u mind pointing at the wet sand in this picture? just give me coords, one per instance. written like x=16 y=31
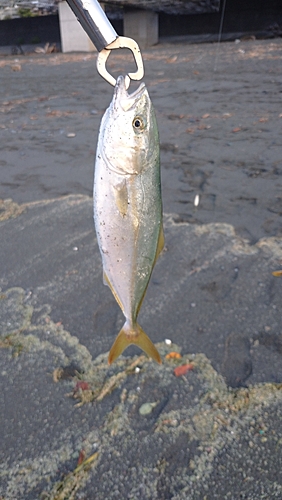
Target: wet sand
x=214 y=432
x=219 y=114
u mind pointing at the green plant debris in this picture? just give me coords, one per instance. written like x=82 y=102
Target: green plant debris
x=25 y=12
x=87 y=395
x=9 y=209
x=68 y=487
x=115 y=380
x=14 y=342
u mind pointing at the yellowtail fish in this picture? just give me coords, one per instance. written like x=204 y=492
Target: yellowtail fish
x=128 y=207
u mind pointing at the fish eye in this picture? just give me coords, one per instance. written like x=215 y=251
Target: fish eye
x=138 y=123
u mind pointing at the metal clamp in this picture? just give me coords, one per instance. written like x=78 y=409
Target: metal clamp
x=94 y=21
x=121 y=42
x=96 y=24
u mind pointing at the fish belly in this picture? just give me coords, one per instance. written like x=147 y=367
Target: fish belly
x=128 y=220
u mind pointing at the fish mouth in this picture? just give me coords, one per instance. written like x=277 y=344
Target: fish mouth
x=121 y=96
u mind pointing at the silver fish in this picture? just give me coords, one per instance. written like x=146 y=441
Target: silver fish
x=128 y=207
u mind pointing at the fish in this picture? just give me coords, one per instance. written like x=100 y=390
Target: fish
x=128 y=207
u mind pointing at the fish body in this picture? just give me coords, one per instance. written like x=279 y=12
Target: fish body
x=128 y=207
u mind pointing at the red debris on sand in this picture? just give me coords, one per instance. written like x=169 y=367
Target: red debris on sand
x=83 y=386
x=183 y=369
x=81 y=457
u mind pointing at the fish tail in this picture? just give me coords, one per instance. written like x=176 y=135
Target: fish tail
x=133 y=335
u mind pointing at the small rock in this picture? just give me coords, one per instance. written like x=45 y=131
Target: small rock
x=147 y=408
x=16 y=67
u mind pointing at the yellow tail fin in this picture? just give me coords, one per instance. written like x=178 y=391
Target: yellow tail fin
x=133 y=335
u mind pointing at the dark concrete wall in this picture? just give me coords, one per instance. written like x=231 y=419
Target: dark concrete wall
x=36 y=30
x=240 y=16
x=28 y=30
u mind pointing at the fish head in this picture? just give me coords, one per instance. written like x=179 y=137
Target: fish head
x=130 y=133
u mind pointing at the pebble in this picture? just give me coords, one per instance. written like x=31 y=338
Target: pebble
x=147 y=408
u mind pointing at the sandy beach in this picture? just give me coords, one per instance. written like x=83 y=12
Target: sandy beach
x=215 y=432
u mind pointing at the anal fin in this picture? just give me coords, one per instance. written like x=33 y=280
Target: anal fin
x=107 y=282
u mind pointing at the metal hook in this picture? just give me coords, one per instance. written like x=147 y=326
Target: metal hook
x=121 y=42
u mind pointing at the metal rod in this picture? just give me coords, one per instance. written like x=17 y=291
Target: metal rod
x=94 y=21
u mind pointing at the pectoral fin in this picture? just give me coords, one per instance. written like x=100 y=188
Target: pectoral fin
x=121 y=197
